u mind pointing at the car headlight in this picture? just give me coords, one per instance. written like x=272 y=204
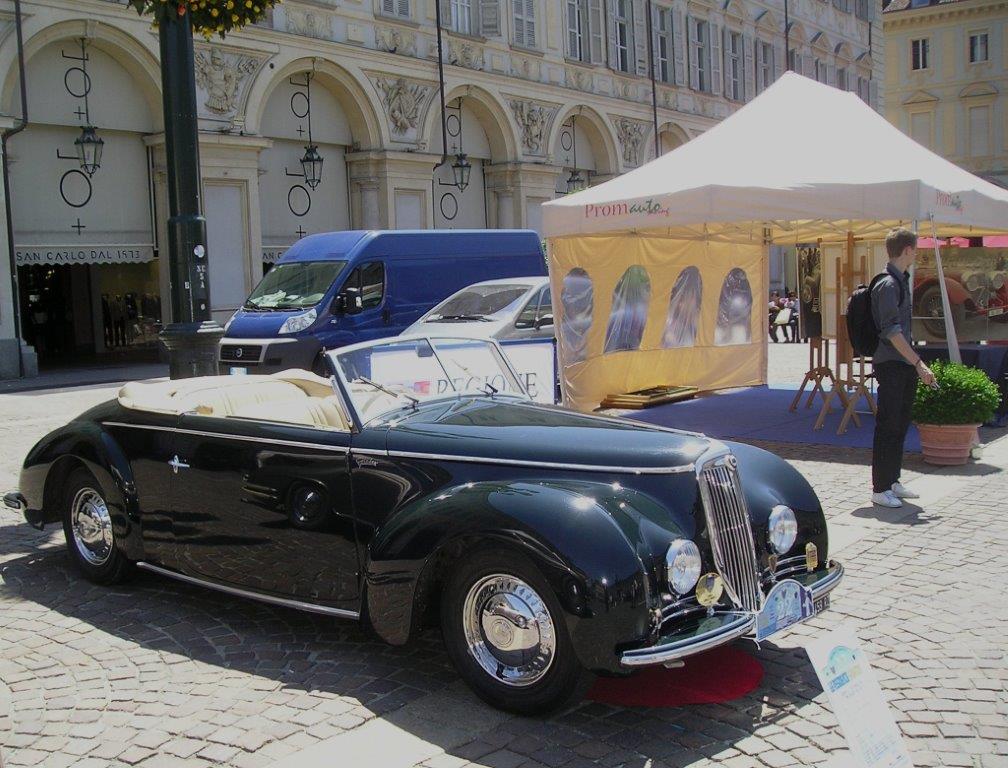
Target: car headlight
x=683 y=564
x=783 y=528
x=299 y=322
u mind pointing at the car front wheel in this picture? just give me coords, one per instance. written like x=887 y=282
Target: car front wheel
x=504 y=631
x=87 y=526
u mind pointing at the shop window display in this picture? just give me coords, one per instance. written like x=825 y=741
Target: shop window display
x=684 y=310
x=734 y=318
x=629 y=311
x=577 y=296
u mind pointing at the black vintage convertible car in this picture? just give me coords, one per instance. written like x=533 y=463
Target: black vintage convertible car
x=421 y=485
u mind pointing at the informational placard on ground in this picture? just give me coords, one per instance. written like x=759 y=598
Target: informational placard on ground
x=856 y=699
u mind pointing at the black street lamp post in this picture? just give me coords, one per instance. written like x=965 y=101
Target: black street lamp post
x=192 y=337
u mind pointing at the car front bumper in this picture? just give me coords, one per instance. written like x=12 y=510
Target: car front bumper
x=267 y=355
x=722 y=628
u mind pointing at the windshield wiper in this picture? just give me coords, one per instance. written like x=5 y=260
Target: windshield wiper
x=439 y=318
x=363 y=380
x=489 y=389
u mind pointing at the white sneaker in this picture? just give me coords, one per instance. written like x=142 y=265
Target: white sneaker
x=900 y=491
x=886 y=499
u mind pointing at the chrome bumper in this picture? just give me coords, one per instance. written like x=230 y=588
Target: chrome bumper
x=14 y=500
x=734 y=625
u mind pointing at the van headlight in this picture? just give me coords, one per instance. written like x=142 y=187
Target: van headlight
x=299 y=322
x=783 y=528
x=683 y=564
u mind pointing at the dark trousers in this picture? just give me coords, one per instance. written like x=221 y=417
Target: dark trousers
x=897 y=383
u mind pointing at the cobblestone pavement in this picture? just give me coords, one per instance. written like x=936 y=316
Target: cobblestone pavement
x=157 y=673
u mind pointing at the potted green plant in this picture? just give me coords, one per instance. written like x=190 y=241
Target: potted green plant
x=947 y=417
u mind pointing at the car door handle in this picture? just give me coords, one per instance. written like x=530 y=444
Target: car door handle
x=176 y=465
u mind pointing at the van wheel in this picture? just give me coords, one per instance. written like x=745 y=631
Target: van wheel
x=87 y=526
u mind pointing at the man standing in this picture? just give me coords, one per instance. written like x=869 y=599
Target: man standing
x=897 y=368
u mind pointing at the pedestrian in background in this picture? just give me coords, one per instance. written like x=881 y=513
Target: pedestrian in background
x=897 y=368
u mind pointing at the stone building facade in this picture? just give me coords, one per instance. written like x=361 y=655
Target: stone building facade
x=947 y=79
x=541 y=96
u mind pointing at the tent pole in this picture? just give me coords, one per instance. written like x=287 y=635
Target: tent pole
x=950 y=331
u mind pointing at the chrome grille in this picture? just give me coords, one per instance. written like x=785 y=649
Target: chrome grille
x=730 y=532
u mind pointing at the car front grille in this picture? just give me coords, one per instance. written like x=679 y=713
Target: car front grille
x=730 y=532
x=248 y=353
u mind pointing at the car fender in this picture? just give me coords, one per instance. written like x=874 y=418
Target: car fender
x=571 y=530
x=83 y=444
x=957 y=292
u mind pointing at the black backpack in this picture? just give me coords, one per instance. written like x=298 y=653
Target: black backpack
x=861 y=328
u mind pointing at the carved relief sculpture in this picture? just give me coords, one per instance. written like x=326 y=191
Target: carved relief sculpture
x=403 y=101
x=309 y=24
x=534 y=120
x=631 y=137
x=465 y=55
x=219 y=76
x=392 y=40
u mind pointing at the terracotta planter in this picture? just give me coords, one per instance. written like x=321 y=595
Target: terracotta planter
x=948 y=443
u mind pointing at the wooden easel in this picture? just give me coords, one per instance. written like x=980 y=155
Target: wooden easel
x=819 y=369
x=851 y=376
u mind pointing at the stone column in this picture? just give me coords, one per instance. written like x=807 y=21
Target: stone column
x=518 y=190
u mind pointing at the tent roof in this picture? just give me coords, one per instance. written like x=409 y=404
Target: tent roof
x=802 y=158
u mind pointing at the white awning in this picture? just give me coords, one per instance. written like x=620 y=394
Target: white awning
x=25 y=255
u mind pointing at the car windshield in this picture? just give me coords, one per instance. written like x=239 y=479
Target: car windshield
x=476 y=302
x=402 y=373
x=295 y=285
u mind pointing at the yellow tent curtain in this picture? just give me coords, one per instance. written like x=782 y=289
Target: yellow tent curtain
x=638 y=310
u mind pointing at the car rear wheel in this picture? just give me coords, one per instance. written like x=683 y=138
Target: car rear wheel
x=506 y=635
x=87 y=526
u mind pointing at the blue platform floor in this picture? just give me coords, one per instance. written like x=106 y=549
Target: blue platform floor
x=761 y=413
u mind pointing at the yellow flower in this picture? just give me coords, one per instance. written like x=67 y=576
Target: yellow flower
x=214 y=12
x=234 y=17
x=230 y=4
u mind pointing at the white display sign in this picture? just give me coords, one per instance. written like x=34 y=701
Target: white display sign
x=532 y=361
x=82 y=254
x=856 y=699
x=535 y=364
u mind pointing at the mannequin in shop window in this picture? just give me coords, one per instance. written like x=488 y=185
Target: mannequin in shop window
x=119 y=320
x=132 y=329
x=107 y=321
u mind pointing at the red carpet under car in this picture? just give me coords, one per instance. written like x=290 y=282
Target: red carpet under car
x=722 y=674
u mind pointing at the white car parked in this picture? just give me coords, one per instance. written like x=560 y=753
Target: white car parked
x=510 y=309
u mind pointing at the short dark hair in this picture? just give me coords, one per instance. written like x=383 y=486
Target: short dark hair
x=897 y=240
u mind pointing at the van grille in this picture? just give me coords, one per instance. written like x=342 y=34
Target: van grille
x=730 y=532
x=248 y=353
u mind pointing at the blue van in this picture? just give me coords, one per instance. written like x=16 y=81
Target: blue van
x=339 y=288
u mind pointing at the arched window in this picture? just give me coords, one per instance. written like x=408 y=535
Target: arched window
x=629 y=311
x=577 y=297
x=734 y=318
x=684 y=310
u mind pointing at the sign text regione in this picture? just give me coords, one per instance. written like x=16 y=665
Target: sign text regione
x=25 y=255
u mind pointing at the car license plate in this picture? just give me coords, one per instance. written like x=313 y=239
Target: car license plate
x=788 y=603
x=820 y=605
x=237 y=370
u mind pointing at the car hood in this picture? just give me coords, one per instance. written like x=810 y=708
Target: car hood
x=467 y=329
x=515 y=431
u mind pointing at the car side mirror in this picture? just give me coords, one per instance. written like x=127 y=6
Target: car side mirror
x=544 y=321
x=519 y=323
x=339 y=304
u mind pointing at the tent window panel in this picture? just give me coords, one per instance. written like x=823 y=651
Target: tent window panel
x=684 y=310
x=623 y=34
x=577 y=300
x=977 y=47
x=979 y=124
x=630 y=303
x=663 y=45
x=920 y=128
x=734 y=317
x=919 y=54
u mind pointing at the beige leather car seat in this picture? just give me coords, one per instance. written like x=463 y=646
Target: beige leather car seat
x=313 y=411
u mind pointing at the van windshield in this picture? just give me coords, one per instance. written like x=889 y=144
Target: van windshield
x=476 y=302
x=295 y=285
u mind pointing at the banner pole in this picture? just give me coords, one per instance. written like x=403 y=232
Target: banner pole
x=950 y=331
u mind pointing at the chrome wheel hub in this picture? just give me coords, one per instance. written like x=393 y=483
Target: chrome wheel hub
x=508 y=630
x=92 y=526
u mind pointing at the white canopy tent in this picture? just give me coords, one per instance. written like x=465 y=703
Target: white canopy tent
x=801 y=161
